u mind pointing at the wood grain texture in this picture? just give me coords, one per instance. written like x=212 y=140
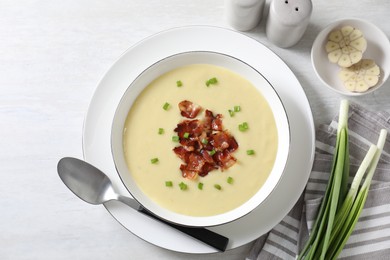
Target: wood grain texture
x=52 y=55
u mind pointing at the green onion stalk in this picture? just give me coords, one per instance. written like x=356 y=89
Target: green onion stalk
x=357 y=197
x=340 y=207
x=322 y=228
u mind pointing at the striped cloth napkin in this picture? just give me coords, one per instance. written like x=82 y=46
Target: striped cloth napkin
x=371 y=236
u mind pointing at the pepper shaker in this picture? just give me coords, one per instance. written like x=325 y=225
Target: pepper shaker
x=287 y=21
x=244 y=15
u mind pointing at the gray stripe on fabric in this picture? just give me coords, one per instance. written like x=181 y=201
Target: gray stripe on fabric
x=377 y=120
x=321 y=150
x=375 y=216
x=378 y=196
x=320 y=181
x=264 y=255
x=385 y=115
x=367 y=242
x=284 y=236
x=315 y=192
x=376 y=255
x=280 y=247
x=287 y=225
x=369 y=124
x=322 y=165
x=375 y=210
x=370 y=229
x=382 y=173
x=319 y=175
x=357 y=149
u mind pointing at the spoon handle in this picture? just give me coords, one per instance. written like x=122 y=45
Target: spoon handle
x=207 y=236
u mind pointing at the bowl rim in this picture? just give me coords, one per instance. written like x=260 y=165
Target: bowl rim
x=317 y=48
x=202 y=223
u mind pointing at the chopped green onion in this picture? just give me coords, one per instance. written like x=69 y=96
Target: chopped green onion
x=212 y=152
x=179 y=83
x=243 y=127
x=166 y=106
x=230 y=180
x=211 y=81
x=217 y=186
x=250 y=152
x=183 y=186
x=186 y=135
x=160 y=131
x=204 y=141
x=237 y=108
x=168 y=184
x=200 y=186
x=154 y=160
x=231 y=113
x=175 y=138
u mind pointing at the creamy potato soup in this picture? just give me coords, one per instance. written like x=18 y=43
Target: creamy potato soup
x=151 y=136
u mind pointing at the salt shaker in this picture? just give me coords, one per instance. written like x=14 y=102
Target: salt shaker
x=287 y=21
x=244 y=15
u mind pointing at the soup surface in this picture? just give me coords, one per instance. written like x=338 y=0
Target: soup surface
x=148 y=142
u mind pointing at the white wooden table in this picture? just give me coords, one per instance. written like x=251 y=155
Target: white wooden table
x=52 y=55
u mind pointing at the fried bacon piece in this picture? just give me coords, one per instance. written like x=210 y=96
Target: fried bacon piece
x=194 y=166
x=211 y=122
x=223 y=140
x=194 y=130
x=204 y=144
x=224 y=159
x=181 y=152
x=186 y=173
x=206 y=156
x=192 y=127
x=207 y=167
x=189 y=109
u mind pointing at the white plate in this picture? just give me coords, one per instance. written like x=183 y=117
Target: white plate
x=378 y=49
x=97 y=131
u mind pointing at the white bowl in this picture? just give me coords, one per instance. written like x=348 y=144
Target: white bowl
x=378 y=49
x=168 y=64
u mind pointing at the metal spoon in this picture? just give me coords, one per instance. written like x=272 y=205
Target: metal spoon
x=93 y=186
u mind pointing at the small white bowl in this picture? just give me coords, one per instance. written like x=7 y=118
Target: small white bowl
x=378 y=49
x=168 y=64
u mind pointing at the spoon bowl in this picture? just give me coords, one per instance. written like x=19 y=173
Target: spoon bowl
x=92 y=186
